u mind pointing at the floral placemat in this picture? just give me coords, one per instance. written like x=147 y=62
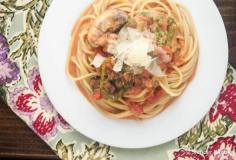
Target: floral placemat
x=213 y=138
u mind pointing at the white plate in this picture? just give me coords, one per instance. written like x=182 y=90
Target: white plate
x=183 y=114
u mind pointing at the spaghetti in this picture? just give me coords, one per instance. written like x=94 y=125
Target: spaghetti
x=133 y=89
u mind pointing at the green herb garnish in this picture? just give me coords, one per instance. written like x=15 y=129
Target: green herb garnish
x=165 y=37
x=161 y=36
x=102 y=77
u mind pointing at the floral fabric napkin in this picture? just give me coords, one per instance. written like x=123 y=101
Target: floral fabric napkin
x=213 y=138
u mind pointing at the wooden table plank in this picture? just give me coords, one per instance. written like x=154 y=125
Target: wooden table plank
x=29 y=146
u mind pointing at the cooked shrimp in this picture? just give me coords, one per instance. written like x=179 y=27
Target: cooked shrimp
x=163 y=56
x=108 y=22
x=107 y=38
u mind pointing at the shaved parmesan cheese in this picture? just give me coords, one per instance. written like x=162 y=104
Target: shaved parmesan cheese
x=134 y=33
x=132 y=48
x=155 y=69
x=137 y=53
x=123 y=34
x=98 y=61
x=118 y=65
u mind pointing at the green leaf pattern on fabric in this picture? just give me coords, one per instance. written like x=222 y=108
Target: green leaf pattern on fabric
x=229 y=76
x=65 y=152
x=94 y=151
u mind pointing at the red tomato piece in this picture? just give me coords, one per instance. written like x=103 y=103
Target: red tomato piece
x=136 y=109
x=97 y=95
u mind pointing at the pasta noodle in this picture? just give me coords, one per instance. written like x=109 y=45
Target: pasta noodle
x=183 y=46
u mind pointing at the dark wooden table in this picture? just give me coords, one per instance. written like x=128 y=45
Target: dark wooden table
x=29 y=146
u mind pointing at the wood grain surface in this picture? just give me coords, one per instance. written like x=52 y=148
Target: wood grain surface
x=29 y=146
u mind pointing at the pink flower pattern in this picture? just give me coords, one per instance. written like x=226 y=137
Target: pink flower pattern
x=224 y=148
x=187 y=155
x=33 y=102
x=226 y=104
